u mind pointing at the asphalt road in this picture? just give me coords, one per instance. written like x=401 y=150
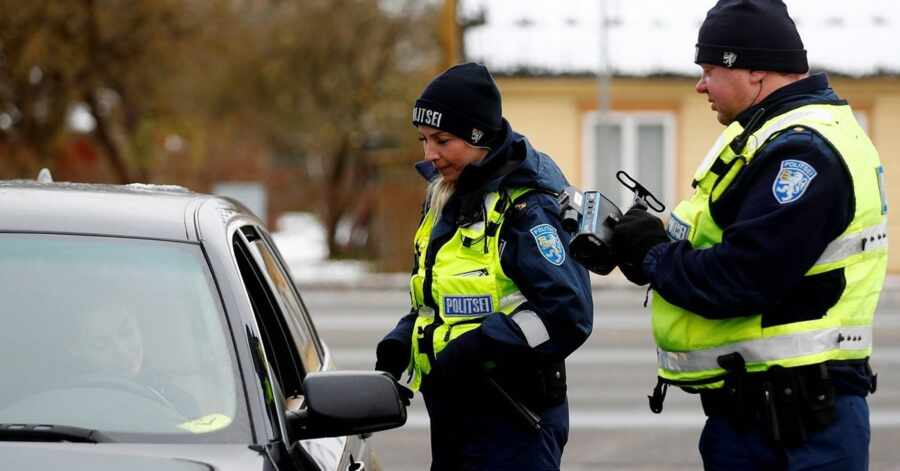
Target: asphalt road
x=609 y=379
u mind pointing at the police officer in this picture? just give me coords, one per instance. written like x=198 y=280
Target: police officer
x=763 y=299
x=497 y=305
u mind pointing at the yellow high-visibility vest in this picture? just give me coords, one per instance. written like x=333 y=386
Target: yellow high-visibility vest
x=466 y=280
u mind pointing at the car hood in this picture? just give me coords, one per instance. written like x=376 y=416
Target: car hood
x=110 y=456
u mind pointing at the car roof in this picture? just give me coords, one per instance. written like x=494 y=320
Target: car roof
x=134 y=210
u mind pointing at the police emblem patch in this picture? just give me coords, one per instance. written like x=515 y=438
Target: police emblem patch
x=792 y=180
x=549 y=244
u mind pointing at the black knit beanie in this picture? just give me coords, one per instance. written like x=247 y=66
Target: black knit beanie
x=464 y=101
x=751 y=34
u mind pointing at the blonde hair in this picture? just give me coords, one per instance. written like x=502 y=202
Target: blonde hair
x=439 y=191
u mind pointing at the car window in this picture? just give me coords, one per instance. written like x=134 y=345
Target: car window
x=280 y=351
x=272 y=298
x=122 y=335
x=297 y=321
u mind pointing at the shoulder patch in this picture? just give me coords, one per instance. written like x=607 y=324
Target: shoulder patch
x=549 y=243
x=792 y=180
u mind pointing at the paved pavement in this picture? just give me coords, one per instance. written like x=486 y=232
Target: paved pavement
x=609 y=378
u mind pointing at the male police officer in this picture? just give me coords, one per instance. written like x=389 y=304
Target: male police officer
x=763 y=303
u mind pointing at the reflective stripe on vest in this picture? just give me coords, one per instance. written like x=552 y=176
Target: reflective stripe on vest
x=798 y=116
x=869 y=239
x=771 y=348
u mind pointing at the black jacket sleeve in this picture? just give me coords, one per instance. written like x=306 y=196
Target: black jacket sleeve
x=403 y=330
x=558 y=291
x=767 y=245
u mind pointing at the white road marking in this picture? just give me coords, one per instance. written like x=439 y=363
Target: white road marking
x=616 y=420
x=597 y=356
x=360 y=318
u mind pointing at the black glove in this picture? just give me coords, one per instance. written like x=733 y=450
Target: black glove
x=633 y=236
x=464 y=356
x=392 y=357
x=406 y=394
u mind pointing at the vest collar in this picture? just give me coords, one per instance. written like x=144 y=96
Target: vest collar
x=808 y=91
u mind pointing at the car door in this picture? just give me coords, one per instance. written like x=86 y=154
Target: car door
x=295 y=346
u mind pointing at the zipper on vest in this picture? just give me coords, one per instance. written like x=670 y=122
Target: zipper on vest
x=478 y=272
x=427 y=340
x=418 y=253
x=430 y=257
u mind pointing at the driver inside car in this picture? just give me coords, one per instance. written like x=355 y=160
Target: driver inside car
x=108 y=347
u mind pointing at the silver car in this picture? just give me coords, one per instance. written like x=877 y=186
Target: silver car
x=150 y=327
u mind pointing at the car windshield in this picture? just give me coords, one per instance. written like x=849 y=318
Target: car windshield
x=125 y=336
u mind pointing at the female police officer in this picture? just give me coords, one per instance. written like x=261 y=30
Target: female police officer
x=496 y=303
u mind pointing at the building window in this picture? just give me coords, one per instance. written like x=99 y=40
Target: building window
x=640 y=143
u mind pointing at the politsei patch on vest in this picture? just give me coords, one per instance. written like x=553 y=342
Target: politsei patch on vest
x=677 y=229
x=468 y=305
x=549 y=244
x=792 y=180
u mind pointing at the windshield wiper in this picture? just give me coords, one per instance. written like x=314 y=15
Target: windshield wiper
x=50 y=433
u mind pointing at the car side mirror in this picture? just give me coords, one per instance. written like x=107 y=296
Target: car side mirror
x=347 y=403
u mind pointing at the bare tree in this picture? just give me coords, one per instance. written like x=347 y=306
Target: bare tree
x=336 y=78
x=317 y=82
x=119 y=60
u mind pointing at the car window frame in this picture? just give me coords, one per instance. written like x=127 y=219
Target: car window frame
x=303 y=316
x=281 y=400
x=281 y=352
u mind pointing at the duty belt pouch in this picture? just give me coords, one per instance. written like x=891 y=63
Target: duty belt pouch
x=783 y=407
x=818 y=391
x=802 y=402
x=734 y=388
x=553 y=383
x=538 y=388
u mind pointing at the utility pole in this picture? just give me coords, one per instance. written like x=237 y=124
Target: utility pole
x=449 y=33
x=603 y=73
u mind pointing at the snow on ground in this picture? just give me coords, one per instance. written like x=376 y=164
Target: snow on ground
x=300 y=238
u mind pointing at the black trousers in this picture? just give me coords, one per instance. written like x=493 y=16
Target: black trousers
x=473 y=429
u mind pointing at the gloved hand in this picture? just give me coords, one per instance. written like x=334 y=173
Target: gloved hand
x=406 y=394
x=464 y=356
x=392 y=356
x=633 y=236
